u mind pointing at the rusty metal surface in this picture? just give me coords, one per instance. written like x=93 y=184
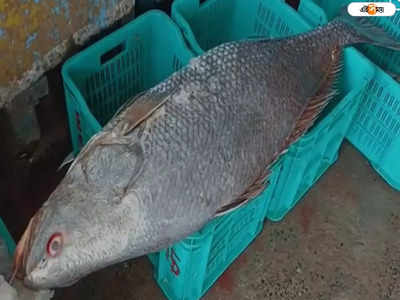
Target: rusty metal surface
x=35 y=35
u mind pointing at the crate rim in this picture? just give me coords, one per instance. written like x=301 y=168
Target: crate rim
x=151 y=13
x=190 y=36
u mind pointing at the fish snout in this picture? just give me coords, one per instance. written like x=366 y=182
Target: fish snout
x=22 y=251
x=29 y=282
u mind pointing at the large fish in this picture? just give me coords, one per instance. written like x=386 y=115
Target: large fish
x=195 y=146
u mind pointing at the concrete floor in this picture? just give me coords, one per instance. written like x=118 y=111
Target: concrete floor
x=341 y=242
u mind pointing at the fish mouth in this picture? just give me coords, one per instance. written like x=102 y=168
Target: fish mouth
x=23 y=250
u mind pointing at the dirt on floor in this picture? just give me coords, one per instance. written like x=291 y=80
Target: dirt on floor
x=341 y=242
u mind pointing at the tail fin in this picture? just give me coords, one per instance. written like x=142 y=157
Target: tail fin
x=365 y=30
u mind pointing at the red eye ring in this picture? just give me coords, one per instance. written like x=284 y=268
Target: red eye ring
x=55 y=244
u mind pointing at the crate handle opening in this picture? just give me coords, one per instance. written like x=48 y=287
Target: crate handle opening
x=293 y=3
x=112 y=53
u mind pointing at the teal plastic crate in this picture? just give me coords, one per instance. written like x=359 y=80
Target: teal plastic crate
x=214 y=22
x=5 y=236
x=312 y=12
x=154 y=259
x=308 y=159
x=98 y=80
x=328 y=9
x=189 y=268
x=375 y=130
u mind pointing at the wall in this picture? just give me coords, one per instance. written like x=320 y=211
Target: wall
x=36 y=35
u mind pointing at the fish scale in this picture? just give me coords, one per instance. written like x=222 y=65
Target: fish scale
x=252 y=162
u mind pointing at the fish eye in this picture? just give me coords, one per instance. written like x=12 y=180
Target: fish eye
x=54 y=245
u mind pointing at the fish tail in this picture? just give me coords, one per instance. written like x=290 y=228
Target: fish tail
x=360 y=30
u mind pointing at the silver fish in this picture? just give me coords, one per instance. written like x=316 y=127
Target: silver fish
x=195 y=146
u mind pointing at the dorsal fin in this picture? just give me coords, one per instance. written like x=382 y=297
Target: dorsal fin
x=315 y=106
x=117 y=115
x=318 y=102
x=136 y=111
x=253 y=191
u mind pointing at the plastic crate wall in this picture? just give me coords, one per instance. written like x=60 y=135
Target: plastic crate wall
x=130 y=60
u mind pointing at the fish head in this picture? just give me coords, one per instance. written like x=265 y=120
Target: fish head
x=83 y=225
x=46 y=251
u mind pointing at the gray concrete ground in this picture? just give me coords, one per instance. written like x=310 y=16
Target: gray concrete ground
x=341 y=242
